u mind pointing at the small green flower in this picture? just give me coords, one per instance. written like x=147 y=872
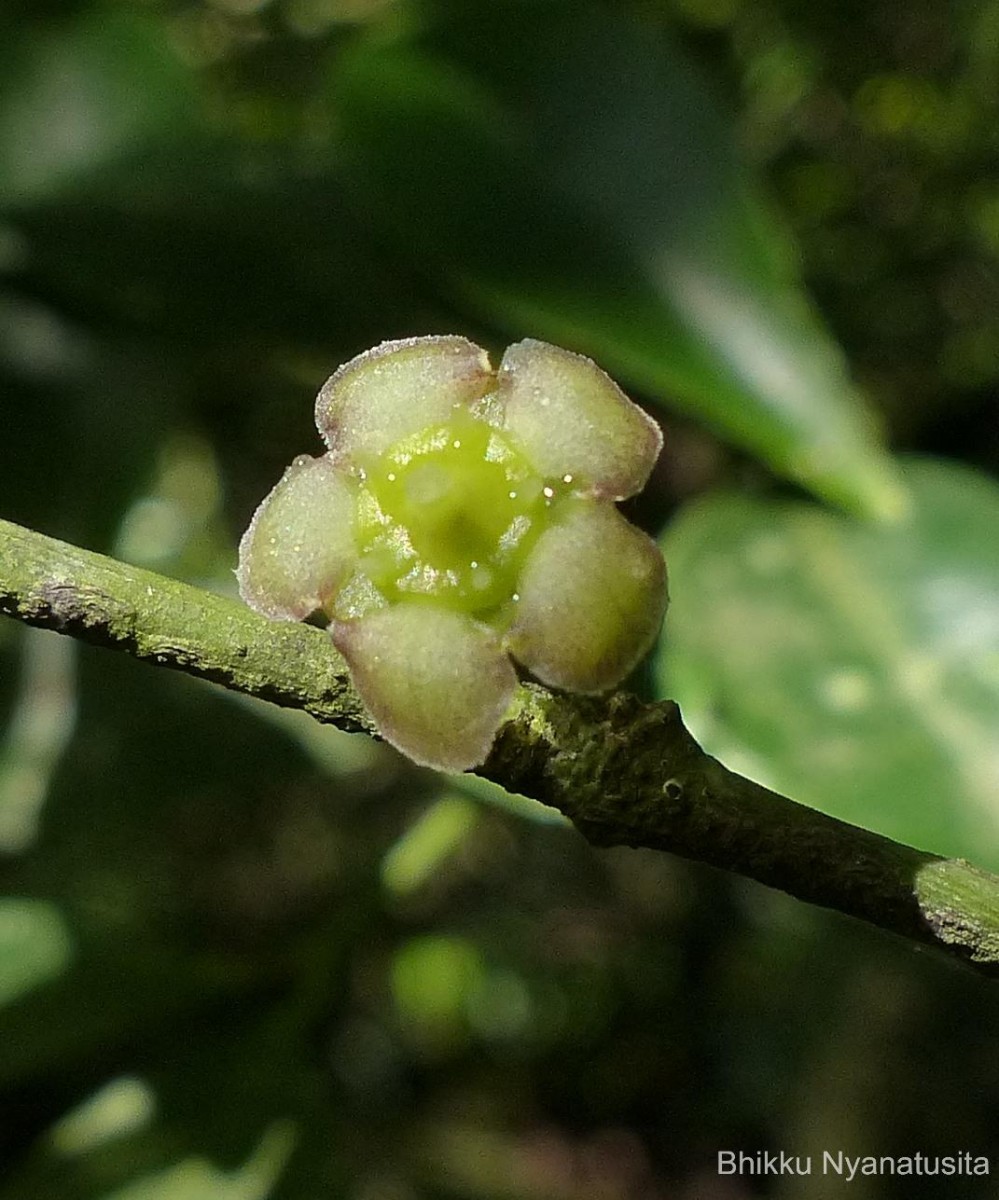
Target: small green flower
x=462 y=516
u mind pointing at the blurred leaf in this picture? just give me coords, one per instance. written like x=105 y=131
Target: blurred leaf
x=35 y=946
x=152 y=854
x=522 y=807
x=854 y=668
x=187 y=1124
x=33 y=742
x=567 y=172
x=198 y=1179
x=78 y=94
x=92 y=405
x=120 y=1107
x=427 y=844
x=433 y=977
x=189 y=240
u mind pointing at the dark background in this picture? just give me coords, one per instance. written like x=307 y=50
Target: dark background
x=245 y=956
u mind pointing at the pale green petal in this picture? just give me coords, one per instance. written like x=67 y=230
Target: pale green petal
x=574 y=423
x=398 y=389
x=591 y=599
x=436 y=682
x=299 y=546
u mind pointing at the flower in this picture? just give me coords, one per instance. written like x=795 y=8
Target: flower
x=461 y=517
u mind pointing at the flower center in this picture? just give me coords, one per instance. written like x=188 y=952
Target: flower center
x=450 y=515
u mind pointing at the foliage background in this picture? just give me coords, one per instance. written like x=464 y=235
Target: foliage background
x=244 y=956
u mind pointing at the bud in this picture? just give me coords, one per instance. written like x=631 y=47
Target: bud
x=459 y=518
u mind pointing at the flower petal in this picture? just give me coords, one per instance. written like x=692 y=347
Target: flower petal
x=591 y=599
x=436 y=682
x=571 y=419
x=398 y=389
x=299 y=545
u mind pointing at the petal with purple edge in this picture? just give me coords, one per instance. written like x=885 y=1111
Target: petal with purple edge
x=398 y=389
x=571 y=419
x=592 y=596
x=299 y=545
x=436 y=682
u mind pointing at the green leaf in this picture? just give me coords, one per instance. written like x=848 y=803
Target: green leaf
x=168 y=246
x=569 y=174
x=199 y=1179
x=35 y=946
x=429 y=842
x=81 y=94
x=144 y=952
x=855 y=668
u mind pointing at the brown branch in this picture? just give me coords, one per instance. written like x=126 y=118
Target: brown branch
x=626 y=773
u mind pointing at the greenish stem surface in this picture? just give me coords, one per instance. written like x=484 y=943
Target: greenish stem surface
x=626 y=773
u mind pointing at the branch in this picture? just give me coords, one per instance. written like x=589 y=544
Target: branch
x=626 y=773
